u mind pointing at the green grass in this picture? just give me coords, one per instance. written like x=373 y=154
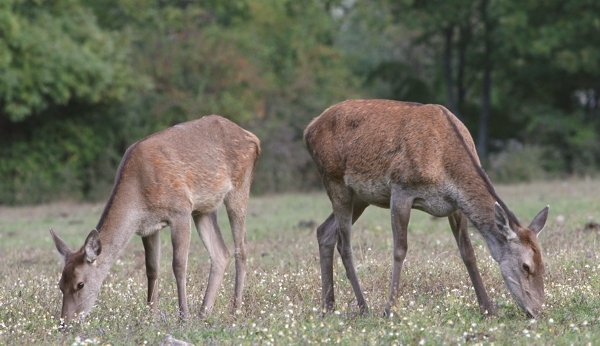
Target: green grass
x=437 y=304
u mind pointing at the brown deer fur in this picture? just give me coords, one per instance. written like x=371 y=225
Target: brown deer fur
x=187 y=170
x=405 y=156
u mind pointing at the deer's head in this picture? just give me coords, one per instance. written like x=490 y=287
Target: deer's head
x=81 y=278
x=520 y=260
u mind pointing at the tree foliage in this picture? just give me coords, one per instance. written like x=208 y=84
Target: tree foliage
x=83 y=79
x=53 y=53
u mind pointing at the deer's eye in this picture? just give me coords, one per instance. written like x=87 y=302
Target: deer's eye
x=80 y=285
x=526 y=268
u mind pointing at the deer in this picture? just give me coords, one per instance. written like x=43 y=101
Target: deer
x=404 y=156
x=182 y=173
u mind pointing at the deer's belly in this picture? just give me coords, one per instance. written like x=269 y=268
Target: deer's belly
x=151 y=226
x=207 y=200
x=374 y=192
x=434 y=200
x=434 y=206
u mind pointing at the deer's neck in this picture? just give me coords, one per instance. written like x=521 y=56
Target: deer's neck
x=116 y=227
x=478 y=205
x=492 y=237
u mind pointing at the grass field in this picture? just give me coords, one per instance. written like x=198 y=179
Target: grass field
x=437 y=304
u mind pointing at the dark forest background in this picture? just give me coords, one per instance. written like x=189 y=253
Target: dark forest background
x=81 y=80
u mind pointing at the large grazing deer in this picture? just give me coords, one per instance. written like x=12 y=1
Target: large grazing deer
x=405 y=156
x=187 y=170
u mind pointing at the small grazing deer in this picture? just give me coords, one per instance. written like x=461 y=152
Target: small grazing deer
x=405 y=156
x=187 y=170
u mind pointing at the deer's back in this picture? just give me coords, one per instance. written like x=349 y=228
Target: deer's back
x=193 y=163
x=372 y=144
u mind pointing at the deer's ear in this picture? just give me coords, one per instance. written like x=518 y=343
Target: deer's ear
x=502 y=222
x=92 y=246
x=539 y=221
x=63 y=249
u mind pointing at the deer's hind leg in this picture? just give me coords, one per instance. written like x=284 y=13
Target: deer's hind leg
x=344 y=247
x=180 y=238
x=211 y=236
x=337 y=229
x=327 y=238
x=236 y=204
x=458 y=223
x=152 y=254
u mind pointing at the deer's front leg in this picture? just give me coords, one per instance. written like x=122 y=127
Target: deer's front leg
x=458 y=223
x=400 y=205
x=152 y=254
x=180 y=237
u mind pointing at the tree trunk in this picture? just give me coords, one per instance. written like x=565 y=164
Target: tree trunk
x=487 y=85
x=485 y=114
x=465 y=37
x=450 y=100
